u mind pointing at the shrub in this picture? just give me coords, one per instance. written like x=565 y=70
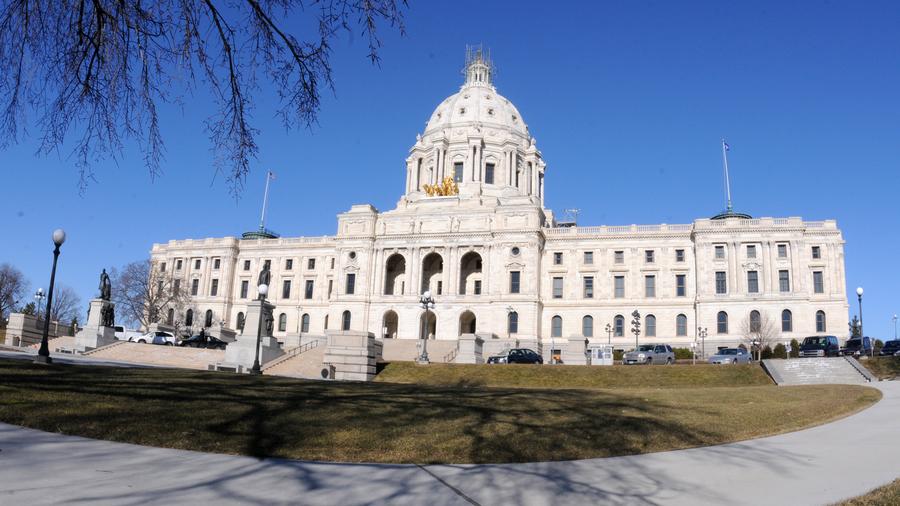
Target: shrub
x=878 y=345
x=780 y=351
x=683 y=353
x=795 y=348
x=766 y=352
x=618 y=354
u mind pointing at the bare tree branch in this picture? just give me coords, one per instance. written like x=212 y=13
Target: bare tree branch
x=143 y=294
x=12 y=288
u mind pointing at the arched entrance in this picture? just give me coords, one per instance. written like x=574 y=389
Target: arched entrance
x=430 y=326
x=389 y=325
x=467 y=323
x=394 y=274
x=470 y=274
x=432 y=271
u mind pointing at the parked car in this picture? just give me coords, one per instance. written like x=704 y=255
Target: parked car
x=890 y=348
x=517 y=356
x=123 y=334
x=650 y=354
x=820 y=346
x=731 y=356
x=856 y=346
x=203 y=341
x=158 y=337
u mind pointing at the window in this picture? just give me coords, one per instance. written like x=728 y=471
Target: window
x=680 y=285
x=587 y=326
x=246 y=265
x=282 y=322
x=330 y=287
x=326 y=323
x=477 y=287
x=458 y=172
x=816 y=253
x=159 y=287
x=721 y=283
x=286 y=289
x=648 y=256
x=784 y=281
x=304 y=323
x=176 y=288
x=332 y=263
x=162 y=267
x=514 y=281
x=650 y=326
x=588 y=257
x=178 y=264
x=755 y=321
x=650 y=286
x=351 y=284
x=782 y=251
x=311 y=263
x=619 y=257
x=289 y=264
x=195 y=286
x=589 y=287
x=619 y=286
x=209 y=318
x=818 y=282
x=679 y=255
x=345 y=320
x=720 y=251
x=619 y=326
x=214 y=288
x=189 y=318
x=722 y=322
x=245 y=287
x=308 y=291
x=489 y=173
x=512 y=322
x=557 y=288
x=820 y=321
x=787 y=321
x=440 y=287
x=681 y=325
x=751 y=251
x=557 y=258
x=556 y=326
x=240 y=322
x=197 y=264
x=752 y=282
x=267 y=265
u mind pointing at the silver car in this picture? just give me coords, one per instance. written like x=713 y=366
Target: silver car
x=650 y=354
x=731 y=356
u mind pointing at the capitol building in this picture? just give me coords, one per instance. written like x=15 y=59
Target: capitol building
x=471 y=227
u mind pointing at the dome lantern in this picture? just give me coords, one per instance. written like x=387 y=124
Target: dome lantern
x=479 y=68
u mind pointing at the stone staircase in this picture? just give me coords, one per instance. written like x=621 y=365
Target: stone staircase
x=406 y=350
x=301 y=364
x=102 y=348
x=171 y=356
x=817 y=371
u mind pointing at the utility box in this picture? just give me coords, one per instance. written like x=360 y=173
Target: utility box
x=601 y=354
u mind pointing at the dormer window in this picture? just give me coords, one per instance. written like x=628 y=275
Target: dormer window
x=462 y=110
x=491 y=111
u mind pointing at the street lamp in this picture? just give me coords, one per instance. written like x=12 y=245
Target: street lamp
x=427 y=303
x=895 y=327
x=701 y=333
x=43 y=356
x=609 y=330
x=39 y=297
x=263 y=289
x=862 y=336
x=636 y=327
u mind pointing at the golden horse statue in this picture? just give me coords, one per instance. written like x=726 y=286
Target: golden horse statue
x=445 y=189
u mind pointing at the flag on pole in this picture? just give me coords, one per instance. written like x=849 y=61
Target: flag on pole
x=727 y=147
x=271 y=175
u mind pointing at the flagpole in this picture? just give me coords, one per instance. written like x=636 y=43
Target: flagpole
x=727 y=182
x=262 y=219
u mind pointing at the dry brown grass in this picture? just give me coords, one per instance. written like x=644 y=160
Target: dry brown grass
x=379 y=422
x=885 y=368
x=888 y=495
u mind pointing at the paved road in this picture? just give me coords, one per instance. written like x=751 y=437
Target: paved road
x=67 y=358
x=815 y=466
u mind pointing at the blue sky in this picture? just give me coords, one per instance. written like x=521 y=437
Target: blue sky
x=627 y=100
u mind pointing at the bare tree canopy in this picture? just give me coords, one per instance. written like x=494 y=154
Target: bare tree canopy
x=96 y=70
x=759 y=330
x=12 y=288
x=143 y=294
x=66 y=305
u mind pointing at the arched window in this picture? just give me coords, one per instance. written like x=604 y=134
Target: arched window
x=787 y=321
x=282 y=322
x=189 y=318
x=326 y=322
x=240 y=322
x=619 y=325
x=722 y=322
x=304 y=323
x=208 y=319
x=650 y=326
x=170 y=318
x=556 y=326
x=345 y=321
x=820 y=321
x=755 y=321
x=587 y=326
x=512 y=322
x=681 y=325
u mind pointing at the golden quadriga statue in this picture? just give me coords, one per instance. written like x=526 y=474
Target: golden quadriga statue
x=446 y=188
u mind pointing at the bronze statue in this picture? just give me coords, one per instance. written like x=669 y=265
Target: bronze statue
x=107 y=316
x=264 y=276
x=105 y=286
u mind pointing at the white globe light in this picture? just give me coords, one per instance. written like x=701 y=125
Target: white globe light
x=263 y=289
x=59 y=236
x=427 y=294
x=859 y=291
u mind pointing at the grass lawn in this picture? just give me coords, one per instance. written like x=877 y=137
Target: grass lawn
x=266 y=416
x=573 y=376
x=886 y=368
x=888 y=495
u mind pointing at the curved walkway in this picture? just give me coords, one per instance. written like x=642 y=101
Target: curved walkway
x=815 y=466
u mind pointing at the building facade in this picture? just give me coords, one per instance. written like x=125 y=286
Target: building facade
x=498 y=264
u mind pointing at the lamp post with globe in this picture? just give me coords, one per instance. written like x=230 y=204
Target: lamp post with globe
x=263 y=289
x=39 y=296
x=862 y=336
x=43 y=356
x=427 y=303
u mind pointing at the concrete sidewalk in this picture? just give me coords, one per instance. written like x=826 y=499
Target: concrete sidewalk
x=816 y=466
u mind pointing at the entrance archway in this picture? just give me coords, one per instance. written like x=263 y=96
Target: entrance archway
x=470 y=274
x=467 y=323
x=394 y=274
x=432 y=271
x=389 y=325
x=430 y=326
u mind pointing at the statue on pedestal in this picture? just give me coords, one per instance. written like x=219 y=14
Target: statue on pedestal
x=105 y=286
x=264 y=276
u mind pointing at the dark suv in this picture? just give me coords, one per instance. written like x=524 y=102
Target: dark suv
x=890 y=348
x=517 y=356
x=820 y=346
x=856 y=346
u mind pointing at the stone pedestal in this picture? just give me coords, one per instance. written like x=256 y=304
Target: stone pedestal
x=224 y=333
x=470 y=349
x=93 y=334
x=243 y=350
x=572 y=351
x=353 y=354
